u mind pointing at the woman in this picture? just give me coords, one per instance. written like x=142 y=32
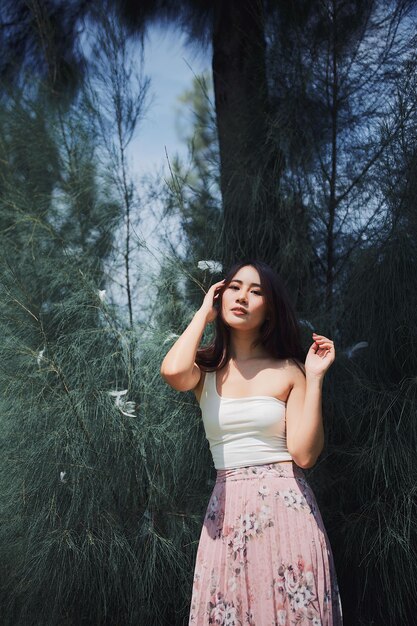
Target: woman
x=264 y=556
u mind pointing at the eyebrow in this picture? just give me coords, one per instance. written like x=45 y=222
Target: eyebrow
x=236 y=280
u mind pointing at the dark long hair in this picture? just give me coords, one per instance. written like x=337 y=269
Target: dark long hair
x=280 y=334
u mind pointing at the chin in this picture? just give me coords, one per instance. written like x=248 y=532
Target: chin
x=235 y=323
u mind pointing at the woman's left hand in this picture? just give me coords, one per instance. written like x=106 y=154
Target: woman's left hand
x=320 y=355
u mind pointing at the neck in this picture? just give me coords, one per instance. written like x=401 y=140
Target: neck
x=241 y=346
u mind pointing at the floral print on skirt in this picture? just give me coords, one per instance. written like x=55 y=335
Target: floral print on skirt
x=264 y=557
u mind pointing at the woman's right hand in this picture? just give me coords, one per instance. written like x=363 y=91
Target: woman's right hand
x=209 y=301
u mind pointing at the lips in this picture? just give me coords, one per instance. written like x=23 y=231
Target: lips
x=238 y=309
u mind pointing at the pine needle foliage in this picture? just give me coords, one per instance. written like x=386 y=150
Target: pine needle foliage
x=370 y=501
x=100 y=510
x=365 y=479
x=101 y=463
x=105 y=471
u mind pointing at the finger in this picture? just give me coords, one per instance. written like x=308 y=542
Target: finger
x=321 y=350
x=326 y=351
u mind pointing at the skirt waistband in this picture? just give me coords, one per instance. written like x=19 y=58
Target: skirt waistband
x=277 y=470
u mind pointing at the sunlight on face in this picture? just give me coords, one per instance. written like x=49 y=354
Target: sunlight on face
x=244 y=291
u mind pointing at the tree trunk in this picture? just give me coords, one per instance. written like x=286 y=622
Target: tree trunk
x=250 y=164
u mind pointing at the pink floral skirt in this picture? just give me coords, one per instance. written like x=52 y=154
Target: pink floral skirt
x=264 y=557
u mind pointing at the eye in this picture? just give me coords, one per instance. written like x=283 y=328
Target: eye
x=258 y=293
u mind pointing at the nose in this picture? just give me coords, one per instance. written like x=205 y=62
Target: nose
x=241 y=297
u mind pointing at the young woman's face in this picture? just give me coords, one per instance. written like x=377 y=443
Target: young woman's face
x=244 y=292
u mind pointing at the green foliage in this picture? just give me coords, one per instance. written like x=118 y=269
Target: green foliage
x=342 y=85
x=193 y=193
x=99 y=507
x=105 y=472
x=370 y=499
x=103 y=488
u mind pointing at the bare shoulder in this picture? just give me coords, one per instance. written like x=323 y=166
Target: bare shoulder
x=295 y=370
x=284 y=374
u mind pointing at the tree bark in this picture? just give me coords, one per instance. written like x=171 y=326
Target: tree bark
x=250 y=163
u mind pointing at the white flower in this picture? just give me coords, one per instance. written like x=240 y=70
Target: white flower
x=293 y=495
x=40 y=355
x=288 y=497
x=248 y=524
x=305 y=593
x=245 y=521
x=264 y=491
x=215 y=267
x=254 y=525
x=102 y=294
x=218 y=614
x=230 y=617
x=118 y=395
x=62 y=477
x=291 y=581
x=300 y=500
x=349 y=351
x=129 y=408
x=126 y=407
x=298 y=600
x=265 y=512
x=238 y=541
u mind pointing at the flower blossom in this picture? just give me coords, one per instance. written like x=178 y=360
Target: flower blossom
x=214 y=267
x=126 y=407
x=40 y=355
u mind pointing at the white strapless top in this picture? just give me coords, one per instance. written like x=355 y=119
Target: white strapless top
x=243 y=431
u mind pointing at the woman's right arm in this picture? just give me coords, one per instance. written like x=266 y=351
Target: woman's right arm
x=179 y=368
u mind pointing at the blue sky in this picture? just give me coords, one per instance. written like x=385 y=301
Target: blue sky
x=171 y=66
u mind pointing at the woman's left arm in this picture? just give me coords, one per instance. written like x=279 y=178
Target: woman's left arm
x=305 y=433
